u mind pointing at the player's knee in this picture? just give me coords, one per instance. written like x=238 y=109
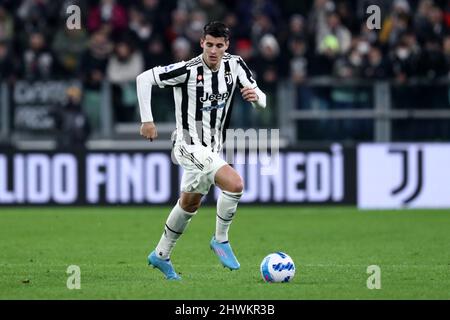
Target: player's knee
x=189 y=206
x=237 y=186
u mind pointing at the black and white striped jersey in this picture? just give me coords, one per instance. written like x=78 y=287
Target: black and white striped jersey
x=203 y=98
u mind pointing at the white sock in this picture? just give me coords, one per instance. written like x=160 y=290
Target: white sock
x=226 y=208
x=175 y=225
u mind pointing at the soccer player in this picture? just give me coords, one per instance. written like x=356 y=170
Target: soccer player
x=203 y=89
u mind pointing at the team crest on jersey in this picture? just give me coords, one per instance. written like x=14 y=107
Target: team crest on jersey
x=228 y=77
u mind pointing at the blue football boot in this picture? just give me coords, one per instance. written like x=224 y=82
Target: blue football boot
x=165 y=266
x=225 y=254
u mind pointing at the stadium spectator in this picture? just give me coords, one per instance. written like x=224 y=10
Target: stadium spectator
x=6 y=24
x=348 y=18
x=297 y=27
x=236 y=27
x=404 y=60
x=71 y=123
x=262 y=25
x=181 y=49
x=377 y=66
x=447 y=15
x=437 y=26
x=141 y=28
x=178 y=25
x=421 y=19
x=213 y=9
x=198 y=19
x=298 y=64
x=125 y=63
x=396 y=24
x=155 y=13
x=122 y=69
x=155 y=53
x=8 y=67
x=317 y=19
x=34 y=15
x=68 y=45
x=268 y=69
x=38 y=62
x=109 y=16
x=95 y=59
x=447 y=54
x=431 y=63
x=336 y=29
x=92 y=72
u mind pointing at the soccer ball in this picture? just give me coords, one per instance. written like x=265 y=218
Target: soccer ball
x=277 y=267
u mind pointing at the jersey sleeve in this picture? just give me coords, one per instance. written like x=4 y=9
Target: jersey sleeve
x=246 y=79
x=170 y=75
x=245 y=75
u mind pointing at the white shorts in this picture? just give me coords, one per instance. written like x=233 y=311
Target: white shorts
x=200 y=166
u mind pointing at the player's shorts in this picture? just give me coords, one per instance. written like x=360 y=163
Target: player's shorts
x=200 y=166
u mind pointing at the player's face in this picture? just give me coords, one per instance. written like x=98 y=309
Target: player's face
x=213 y=50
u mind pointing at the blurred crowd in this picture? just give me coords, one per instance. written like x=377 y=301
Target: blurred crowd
x=287 y=39
x=120 y=39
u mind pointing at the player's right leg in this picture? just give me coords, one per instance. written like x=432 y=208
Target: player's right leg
x=232 y=187
x=176 y=223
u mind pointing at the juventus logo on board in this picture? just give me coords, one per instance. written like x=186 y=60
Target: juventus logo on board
x=412 y=173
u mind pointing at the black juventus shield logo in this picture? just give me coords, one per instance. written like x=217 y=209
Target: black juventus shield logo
x=228 y=77
x=407 y=160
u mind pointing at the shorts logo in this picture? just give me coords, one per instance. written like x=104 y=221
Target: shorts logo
x=208 y=161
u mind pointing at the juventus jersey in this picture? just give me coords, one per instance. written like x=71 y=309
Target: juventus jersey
x=203 y=98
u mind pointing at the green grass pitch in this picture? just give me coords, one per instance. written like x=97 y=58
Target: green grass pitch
x=331 y=247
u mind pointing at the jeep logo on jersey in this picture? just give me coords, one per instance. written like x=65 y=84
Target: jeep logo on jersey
x=214 y=97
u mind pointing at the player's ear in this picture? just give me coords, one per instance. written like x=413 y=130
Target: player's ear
x=202 y=42
x=227 y=44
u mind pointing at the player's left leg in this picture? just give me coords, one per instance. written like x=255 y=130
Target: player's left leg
x=176 y=223
x=232 y=186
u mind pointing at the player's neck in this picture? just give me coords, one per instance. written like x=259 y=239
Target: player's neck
x=213 y=68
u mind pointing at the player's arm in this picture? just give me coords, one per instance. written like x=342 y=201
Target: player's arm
x=249 y=90
x=255 y=96
x=144 y=83
x=161 y=76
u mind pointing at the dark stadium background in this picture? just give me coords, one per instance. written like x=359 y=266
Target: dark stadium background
x=363 y=118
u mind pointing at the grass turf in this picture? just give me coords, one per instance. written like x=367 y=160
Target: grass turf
x=331 y=247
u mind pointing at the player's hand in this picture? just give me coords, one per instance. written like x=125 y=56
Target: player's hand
x=148 y=130
x=249 y=94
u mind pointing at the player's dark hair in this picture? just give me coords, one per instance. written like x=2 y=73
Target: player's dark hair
x=216 y=29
